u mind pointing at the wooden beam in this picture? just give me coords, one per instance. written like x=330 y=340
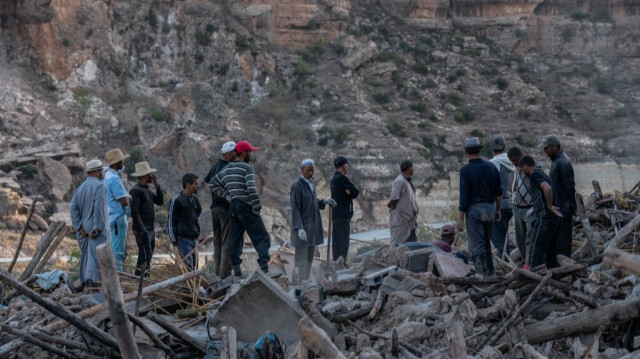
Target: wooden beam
x=618 y=258
x=317 y=340
x=113 y=291
x=177 y=332
x=30 y=339
x=154 y=338
x=23 y=234
x=624 y=232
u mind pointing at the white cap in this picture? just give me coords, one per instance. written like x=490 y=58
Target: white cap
x=93 y=165
x=228 y=147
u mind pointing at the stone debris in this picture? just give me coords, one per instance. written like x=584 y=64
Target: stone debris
x=406 y=302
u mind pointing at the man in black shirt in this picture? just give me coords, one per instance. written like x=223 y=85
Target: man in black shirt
x=220 y=215
x=143 y=213
x=343 y=192
x=548 y=216
x=184 y=212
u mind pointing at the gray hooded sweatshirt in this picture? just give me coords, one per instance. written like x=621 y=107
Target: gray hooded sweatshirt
x=506 y=169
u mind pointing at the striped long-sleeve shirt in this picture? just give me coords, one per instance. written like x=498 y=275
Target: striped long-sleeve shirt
x=237 y=182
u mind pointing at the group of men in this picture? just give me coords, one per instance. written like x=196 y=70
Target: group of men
x=510 y=185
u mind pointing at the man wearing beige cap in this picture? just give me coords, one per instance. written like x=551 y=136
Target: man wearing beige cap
x=143 y=213
x=220 y=215
x=118 y=200
x=90 y=222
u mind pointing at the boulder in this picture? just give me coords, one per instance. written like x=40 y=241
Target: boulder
x=360 y=55
x=9 y=202
x=55 y=177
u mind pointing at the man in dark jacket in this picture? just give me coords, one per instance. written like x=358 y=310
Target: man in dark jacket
x=564 y=189
x=184 y=211
x=480 y=201
x=343 y=192
x=306 y=224
x=548 y=217
x=143 y=213
x=220 y=215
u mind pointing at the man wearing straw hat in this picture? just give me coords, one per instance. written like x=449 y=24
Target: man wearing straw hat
x=118 y=200
x=90 y=222
x=143 y=213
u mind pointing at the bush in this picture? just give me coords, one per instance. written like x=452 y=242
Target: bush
x=382 y=97
x=438 y=166
x=136 y=154
x=427 y=142
x=242 y=42
x=202 y=38
x=604 y=85
x=621 y=112
x=396 y=129
x=83 y=97
x=152 y=19
x=502 y=84
x=567 y=34
x=341 y=135
x=433 y=117
x=442 y=138
x=562 y=113
x=430 y=84
x=28 y=170
x=454 y=99
x=418 y=107
x=156 y=113
x=123 y=96
x=532 y=100
x=421 y=68
x=301 y=68
x=464 y=115
x=66 y=42
x=211 y=28
x=477 y=133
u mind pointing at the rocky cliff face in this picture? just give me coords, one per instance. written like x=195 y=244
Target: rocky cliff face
x=380 y=82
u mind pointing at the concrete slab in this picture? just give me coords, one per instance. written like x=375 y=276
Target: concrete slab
x=450 y=266
x=258 y=306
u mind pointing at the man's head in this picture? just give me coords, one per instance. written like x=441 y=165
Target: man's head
x=229 y=151
x=527 y=165
x=144 y=172
x=94 y=169
x=243 y=151
x=341 y=164
x=448 y=233
x=189 y=184
x=472 y=146
x=115 y=159
x=307 y=168
x=497 y=143
x=515 y=154
x=406 y=167
x=550 y=144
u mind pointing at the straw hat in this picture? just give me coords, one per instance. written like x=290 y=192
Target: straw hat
x=143 y=169
x=93 y=165
x=114 y=156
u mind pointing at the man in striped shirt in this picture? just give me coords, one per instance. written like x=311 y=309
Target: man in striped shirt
x=236 y=183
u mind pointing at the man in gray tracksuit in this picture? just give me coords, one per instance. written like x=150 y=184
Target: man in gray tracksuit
x=506 y=168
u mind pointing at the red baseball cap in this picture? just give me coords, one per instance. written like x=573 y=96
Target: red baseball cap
x=244 y=146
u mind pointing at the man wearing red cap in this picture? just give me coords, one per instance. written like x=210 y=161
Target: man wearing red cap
x=236 y=183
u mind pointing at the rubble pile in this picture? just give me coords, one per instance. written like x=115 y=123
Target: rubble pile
x=412 y=301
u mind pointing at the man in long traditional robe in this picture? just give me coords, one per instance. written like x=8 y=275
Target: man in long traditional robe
x=403 y=207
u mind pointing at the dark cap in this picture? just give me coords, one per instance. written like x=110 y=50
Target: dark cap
x=549 y=140
x=339 y=161
x=472 y=142
x=448 y=229
x=497 y=142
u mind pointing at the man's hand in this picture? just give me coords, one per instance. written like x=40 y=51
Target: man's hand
x=82 y=232
x=330 y=201
x=460 y=225
x=255 y=210
x=555 y=210
x=498 y=215
x=154 y=180
x=347 y=192
x=94 y=233
x=302 y=235
x=124 y=201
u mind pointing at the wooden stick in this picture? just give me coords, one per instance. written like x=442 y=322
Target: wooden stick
x=317 y=340
x=455 y=333
x=154 y=338
x=405 y=344
x=129 y=297
x=329 y=230
x=624 y=232
x=59 y=310
x=377 y=306
x=30 y=339
x=395 y=344
x=60 y=341
x=52 y=248
x=582 y=322
x=578 y=296
x=177 y=332
x=22 y=235
x=618 y=258
x=45 y=241
x=113 y=291
x=229 y=344
x=356 y=313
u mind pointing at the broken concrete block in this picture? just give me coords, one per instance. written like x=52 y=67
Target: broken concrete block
x=417 y=260
x=450 y=266
x=258 y=306
x=342 y=287
x=374 y=279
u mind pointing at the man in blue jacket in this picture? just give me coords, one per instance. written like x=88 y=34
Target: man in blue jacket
x=564 y=190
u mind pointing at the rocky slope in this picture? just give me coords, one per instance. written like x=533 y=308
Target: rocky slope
x=377 y=81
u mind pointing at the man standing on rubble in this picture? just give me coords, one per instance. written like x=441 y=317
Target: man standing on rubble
x=143 y=213
x=118 y=200
x=343 y=192
x=403 y=207
x=548 y=217
x=220 y=215
x=237 y=183
x=506 y=168
x=306 y=224
x=522 y=196
x=184 y=229
x=480 y=200
x=90 y=219
x=564 y=189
